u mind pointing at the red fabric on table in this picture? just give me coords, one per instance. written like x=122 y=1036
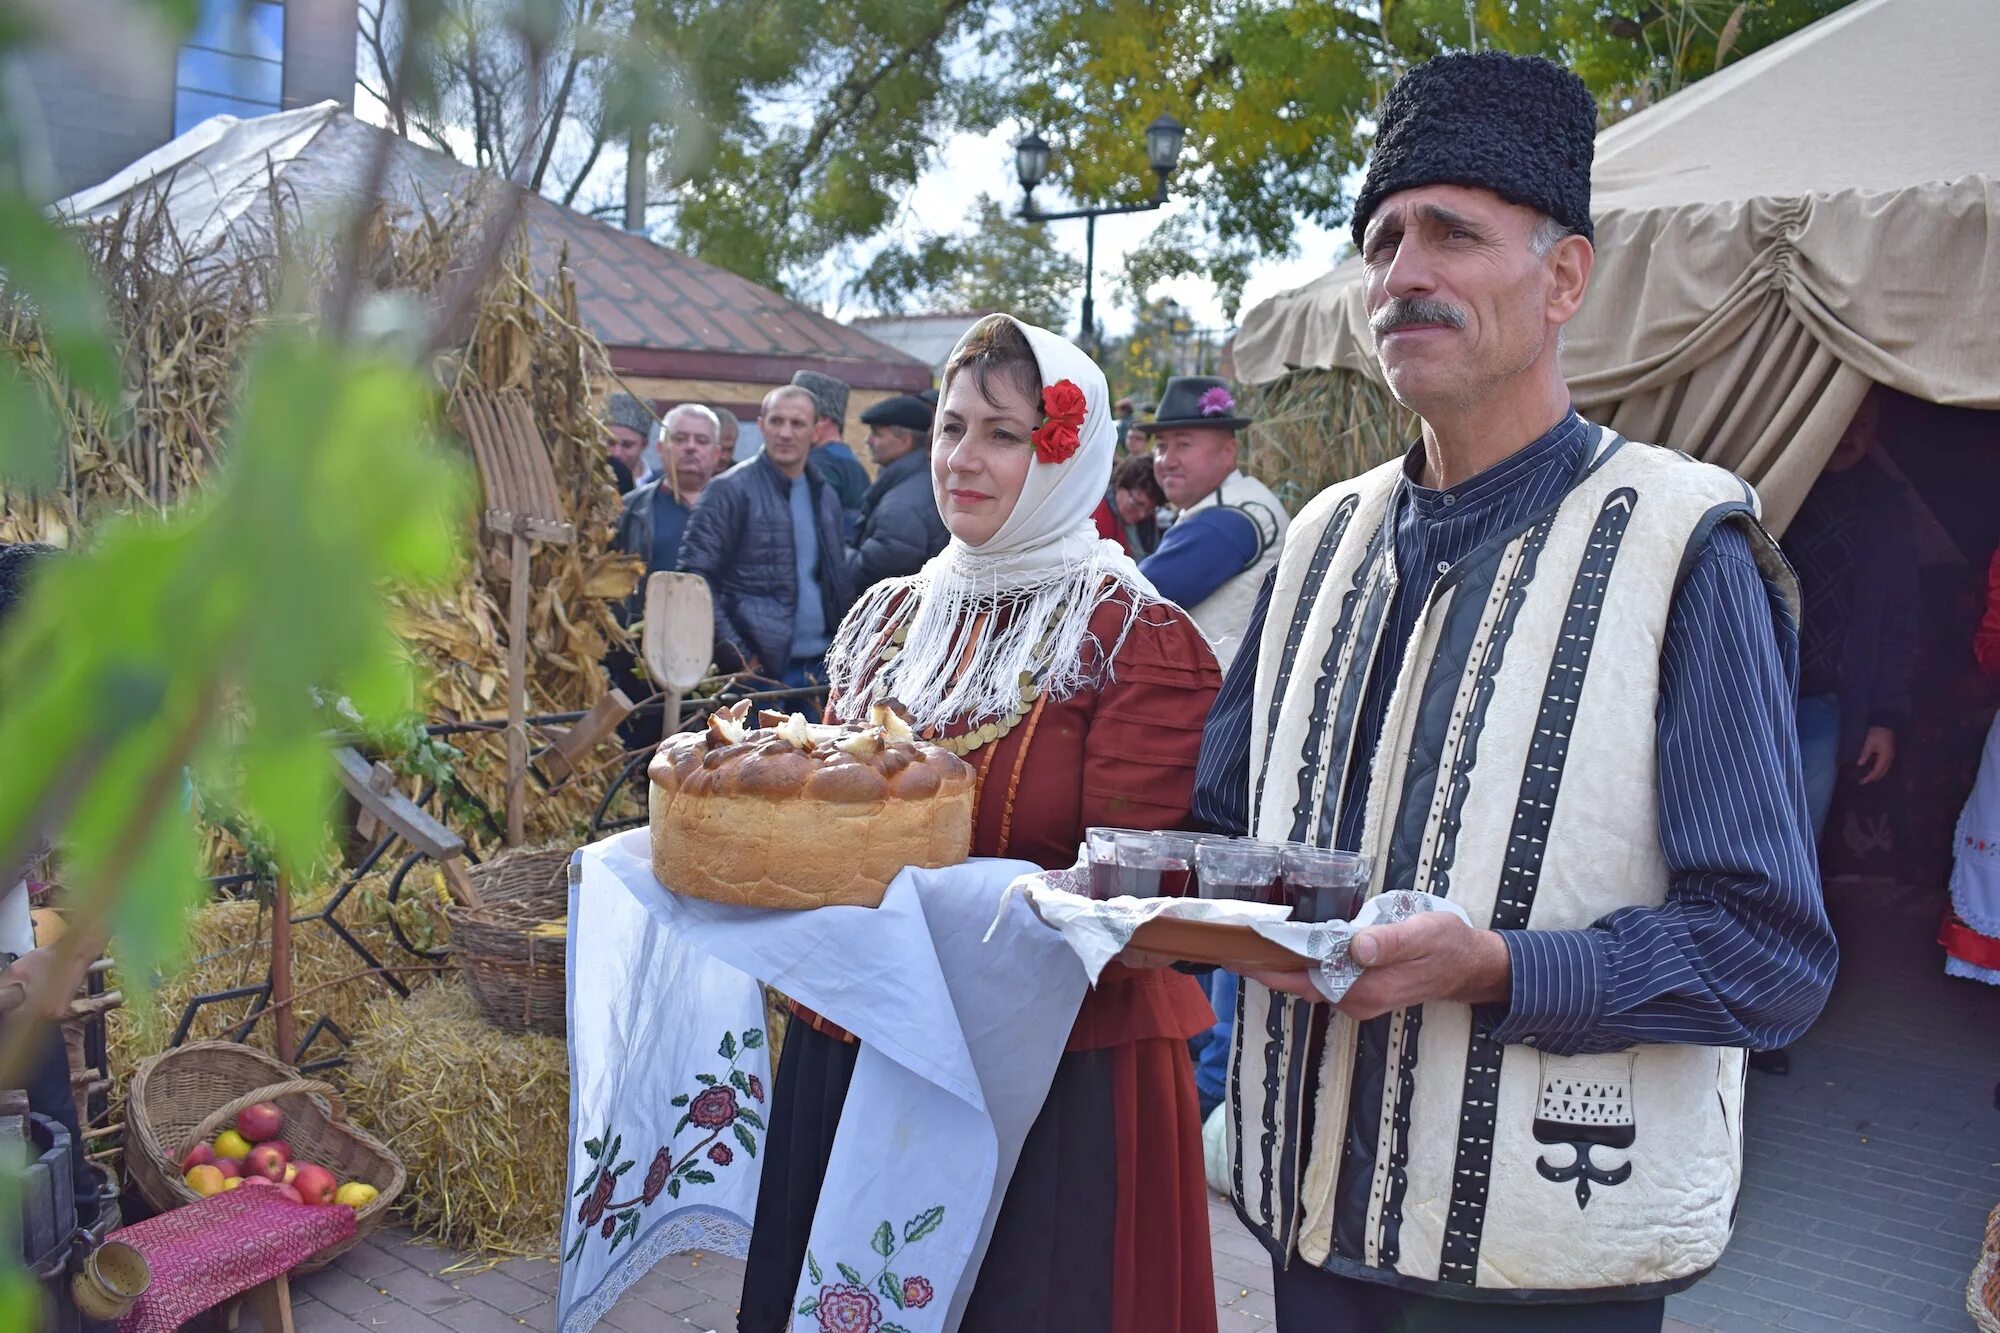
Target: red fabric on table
x=205 y=1252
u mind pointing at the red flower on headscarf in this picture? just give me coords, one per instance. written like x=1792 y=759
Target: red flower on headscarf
x=1057 y=438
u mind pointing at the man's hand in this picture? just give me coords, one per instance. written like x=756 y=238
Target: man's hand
x=1878 y=755
x=32 y=976
x=1434 y=956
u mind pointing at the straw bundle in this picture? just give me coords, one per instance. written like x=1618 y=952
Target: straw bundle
x=184 y=322
x=480 y=1118
x=1317 y=427
x=230 y=945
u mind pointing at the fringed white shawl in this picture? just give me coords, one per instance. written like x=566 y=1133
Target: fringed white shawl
x=1029 y=592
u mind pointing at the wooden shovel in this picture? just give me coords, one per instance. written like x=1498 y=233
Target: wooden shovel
x=678 y=641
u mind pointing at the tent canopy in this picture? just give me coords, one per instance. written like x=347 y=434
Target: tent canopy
x=1823 y=214
x=659 y=312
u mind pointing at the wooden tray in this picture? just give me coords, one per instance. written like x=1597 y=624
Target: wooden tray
x=1238 y=948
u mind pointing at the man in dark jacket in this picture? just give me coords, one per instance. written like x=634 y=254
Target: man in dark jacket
x=900 y=525
x=766 y=536
x=1853 y=543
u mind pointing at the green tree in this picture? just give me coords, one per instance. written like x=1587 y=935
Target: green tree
x=1276 y=97
x=194 y=641
x=999 y=263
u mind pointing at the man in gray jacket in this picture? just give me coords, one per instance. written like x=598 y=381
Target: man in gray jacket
x=900 y=525
x=766 y=536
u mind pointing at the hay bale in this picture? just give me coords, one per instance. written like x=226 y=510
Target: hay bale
x=229 y=943
x=480 y=1118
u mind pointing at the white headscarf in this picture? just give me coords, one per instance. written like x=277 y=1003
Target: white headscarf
x=1046 y=570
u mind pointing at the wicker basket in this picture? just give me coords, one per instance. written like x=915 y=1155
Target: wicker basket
x=1982 y=1293
x=518 y=978
x=184 y=1096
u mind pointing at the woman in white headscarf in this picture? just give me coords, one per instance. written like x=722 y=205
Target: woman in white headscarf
x=1035 y=649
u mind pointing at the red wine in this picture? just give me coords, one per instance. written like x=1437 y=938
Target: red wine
x=1320 y=902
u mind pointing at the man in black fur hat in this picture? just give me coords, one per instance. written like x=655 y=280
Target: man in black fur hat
x=1546 y=676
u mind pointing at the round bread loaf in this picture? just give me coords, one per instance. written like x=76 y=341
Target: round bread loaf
x=769 y=821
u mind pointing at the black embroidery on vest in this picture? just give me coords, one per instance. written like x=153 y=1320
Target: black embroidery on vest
x=1527 y=841
x=1329 y=671
x=1298 y=1014
x=1322 y=556
x=1367 y=636
x=1438 y=881
x=1585 y=1110
x=1446 y=852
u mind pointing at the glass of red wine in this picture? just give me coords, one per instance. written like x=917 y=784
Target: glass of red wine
x=1152 y=865
x=1237 y=868
x=1322 y=884
x=1100 y=847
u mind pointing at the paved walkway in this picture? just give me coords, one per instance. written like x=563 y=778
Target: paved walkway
x=1870 y=1173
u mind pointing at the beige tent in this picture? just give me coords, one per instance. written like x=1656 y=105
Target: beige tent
x=1823 y=214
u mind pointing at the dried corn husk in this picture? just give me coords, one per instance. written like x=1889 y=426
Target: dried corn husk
x=1316 y=427
x=184 y=322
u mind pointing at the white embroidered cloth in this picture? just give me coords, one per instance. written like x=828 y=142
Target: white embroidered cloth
x=960 y=1029
x=1098 y=930
x=670 y=1085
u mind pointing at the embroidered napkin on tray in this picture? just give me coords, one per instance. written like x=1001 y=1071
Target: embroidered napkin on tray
x=1098 y=930
x=957 y=1054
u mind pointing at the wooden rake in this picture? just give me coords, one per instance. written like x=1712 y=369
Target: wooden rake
x=522 y=505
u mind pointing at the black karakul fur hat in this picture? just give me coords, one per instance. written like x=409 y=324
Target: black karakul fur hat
x=1520 y=126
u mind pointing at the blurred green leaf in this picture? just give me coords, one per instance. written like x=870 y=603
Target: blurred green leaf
x=43 y=263
x=30 y=448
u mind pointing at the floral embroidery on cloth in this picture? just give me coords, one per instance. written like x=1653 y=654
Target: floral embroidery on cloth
x=1058 y=437
x=714 y=1109
x=857 y=1305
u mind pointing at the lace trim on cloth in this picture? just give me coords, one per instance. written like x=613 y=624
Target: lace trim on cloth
x=698 y=1227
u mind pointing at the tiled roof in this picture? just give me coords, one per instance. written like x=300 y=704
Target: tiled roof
x=642 y=297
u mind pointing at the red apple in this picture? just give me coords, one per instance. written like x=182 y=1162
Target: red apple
x=315 y=1184
x=287 y=1192
x=261 y=1181
x=230 y=1170
x=261 y=1122
x=268 y=1160
x=202 y=1154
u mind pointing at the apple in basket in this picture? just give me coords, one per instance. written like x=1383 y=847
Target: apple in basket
x=230 y=1170
x=260 y=1123
x=268 y=1160
x=205 y=1180
x=287 y=1192
x=316 y=1184
x=199 y=1155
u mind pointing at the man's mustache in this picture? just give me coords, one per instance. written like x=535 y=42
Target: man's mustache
x=1404 y=312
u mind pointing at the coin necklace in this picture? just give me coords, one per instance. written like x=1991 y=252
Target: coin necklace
x=986 y=733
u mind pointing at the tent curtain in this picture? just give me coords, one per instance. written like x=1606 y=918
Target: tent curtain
x=1746 y=332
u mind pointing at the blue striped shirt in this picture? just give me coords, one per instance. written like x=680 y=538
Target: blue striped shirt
x=1741 y=953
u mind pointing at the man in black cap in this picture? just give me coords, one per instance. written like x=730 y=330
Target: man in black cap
x=631 y=423
x=900 y=524
x=830 y=454
x=1546 y=676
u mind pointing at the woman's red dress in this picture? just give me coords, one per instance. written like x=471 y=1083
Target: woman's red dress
x=1121 y=755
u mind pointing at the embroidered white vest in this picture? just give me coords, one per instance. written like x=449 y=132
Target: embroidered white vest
x=1516 y=775
x=1224 y=614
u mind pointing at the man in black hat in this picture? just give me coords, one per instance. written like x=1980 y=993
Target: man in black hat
x=1544 y=675
x=900 y=524
x=1226 y=538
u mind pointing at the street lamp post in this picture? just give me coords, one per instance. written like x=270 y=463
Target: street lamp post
x=1031 y=162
